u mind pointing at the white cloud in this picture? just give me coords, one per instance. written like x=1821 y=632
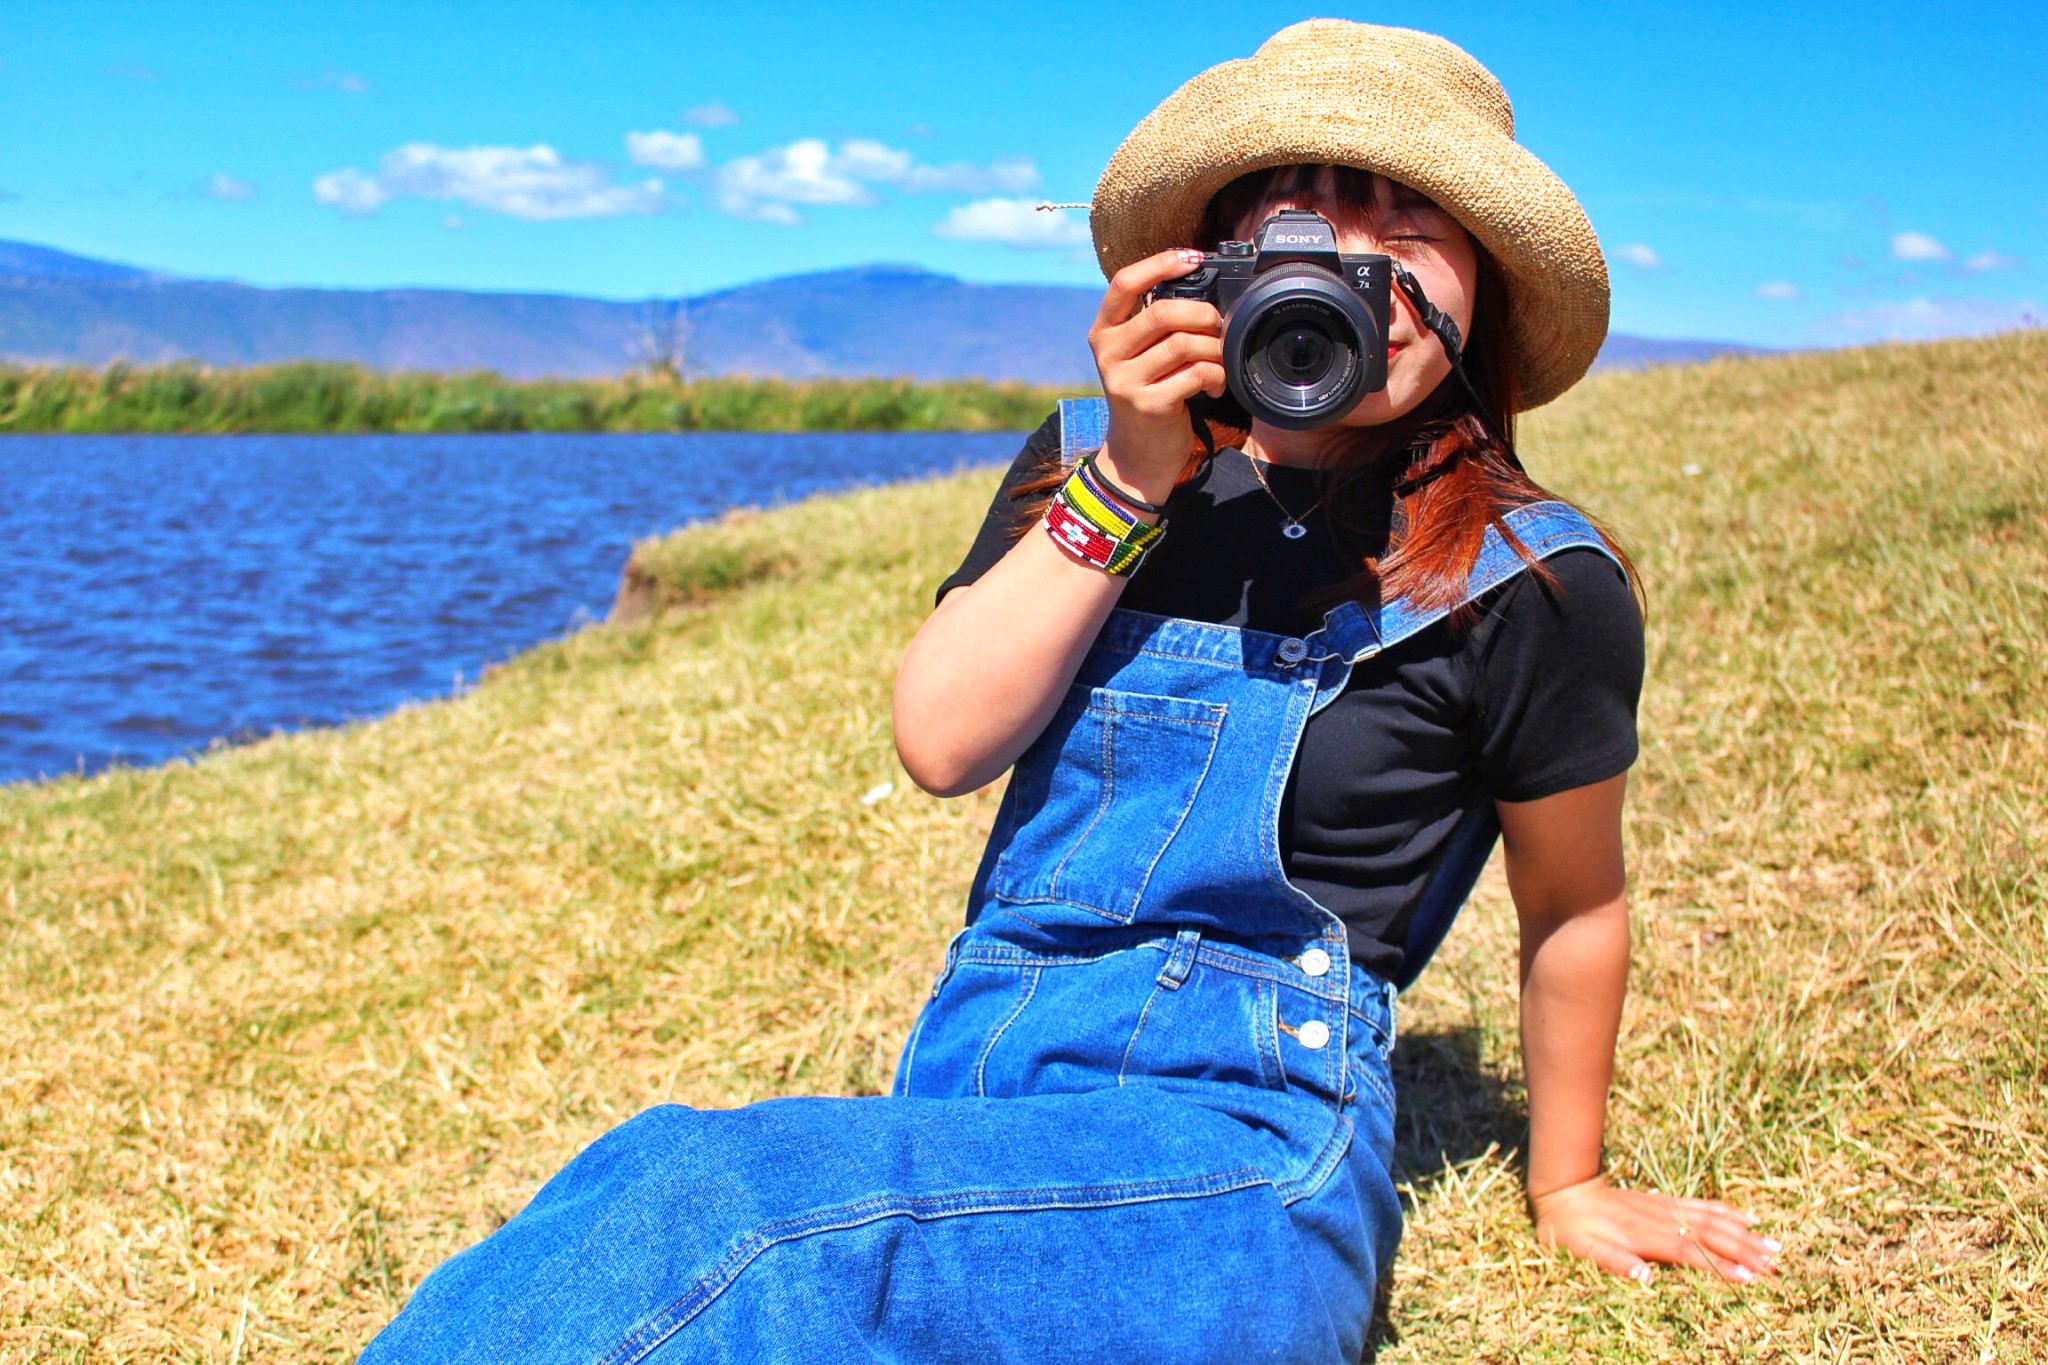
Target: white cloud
x=867 y=159
x=227 y=187
x=1936 y=316
x=1018 y=223
x=810 y=171
x=804 y=172
x=712 y=115
x=1010 y=175
x=1917 y=246
x=1640 y=256
x=1777 y=289
x=535 y=183
x=350 y=191
x=665 y=151
x=1990 y=260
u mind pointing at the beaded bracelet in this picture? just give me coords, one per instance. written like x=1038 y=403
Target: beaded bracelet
x=1092 y=526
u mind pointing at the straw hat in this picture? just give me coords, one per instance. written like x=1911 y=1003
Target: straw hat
x=1407 y=105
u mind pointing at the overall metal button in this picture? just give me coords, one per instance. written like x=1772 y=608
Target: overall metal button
x=1292 y=652
x=1315 y=962
x=1314 y=1035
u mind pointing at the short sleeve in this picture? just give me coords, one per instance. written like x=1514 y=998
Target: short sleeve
x=1559 y=673
x=997 y=533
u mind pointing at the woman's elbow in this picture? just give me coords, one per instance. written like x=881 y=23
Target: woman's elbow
x=937 y=768
x=929 y=744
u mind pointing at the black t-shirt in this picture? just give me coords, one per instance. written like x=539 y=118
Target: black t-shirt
x=1538 y=695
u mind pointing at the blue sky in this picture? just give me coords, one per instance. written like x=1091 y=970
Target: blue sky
x=1792 y=174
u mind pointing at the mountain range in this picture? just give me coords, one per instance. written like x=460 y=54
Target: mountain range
x=867 y=320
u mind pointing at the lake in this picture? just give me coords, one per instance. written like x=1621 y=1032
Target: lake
x=159 y=592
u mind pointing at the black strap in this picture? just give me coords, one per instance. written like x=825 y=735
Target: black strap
x=1117 y=490
x=1446 y=331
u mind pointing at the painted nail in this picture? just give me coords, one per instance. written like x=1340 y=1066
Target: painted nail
x=1641 y=1274
x=1744 y=1274
x=1772 y=1245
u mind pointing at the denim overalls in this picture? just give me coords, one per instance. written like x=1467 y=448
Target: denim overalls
x=1145 y=1114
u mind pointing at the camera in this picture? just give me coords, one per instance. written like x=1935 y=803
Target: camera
x=1304 y=326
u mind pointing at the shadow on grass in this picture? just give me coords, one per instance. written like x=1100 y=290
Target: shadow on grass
x=1449 y=1110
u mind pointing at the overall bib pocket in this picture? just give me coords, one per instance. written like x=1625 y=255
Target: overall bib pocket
x=1097 y=799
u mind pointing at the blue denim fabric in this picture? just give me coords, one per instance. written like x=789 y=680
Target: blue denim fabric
x=1145 y=1114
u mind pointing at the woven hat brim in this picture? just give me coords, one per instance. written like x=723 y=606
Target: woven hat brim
x=1236 y=118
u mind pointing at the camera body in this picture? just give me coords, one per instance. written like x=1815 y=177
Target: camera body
x=1304 y=325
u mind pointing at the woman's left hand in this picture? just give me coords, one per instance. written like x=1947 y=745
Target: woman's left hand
x=1625 y=1230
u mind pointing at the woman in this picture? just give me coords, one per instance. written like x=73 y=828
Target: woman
x=1146 y=1113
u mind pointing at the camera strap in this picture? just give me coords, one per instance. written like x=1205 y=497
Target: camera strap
x=1446 y=331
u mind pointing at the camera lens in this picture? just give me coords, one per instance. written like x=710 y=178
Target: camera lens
x=1299 y=361
x=1301 y=356
x=1297 y=347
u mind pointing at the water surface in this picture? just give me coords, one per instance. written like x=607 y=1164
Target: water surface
x=159 y=592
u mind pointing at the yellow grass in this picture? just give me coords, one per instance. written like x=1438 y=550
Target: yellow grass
x=287 y=1025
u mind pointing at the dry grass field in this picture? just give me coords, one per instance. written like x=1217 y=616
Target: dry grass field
x=284 y=1026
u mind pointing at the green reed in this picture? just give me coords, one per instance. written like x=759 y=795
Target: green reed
x=328 y=396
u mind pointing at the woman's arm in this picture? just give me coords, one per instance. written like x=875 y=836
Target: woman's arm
x=987 y=669
x=1565 y=871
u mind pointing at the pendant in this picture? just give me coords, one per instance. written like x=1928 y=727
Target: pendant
x=1294 y=530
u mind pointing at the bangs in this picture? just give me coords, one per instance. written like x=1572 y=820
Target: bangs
x=1347 y=191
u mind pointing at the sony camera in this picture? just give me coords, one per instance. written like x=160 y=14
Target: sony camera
x=1304 y=326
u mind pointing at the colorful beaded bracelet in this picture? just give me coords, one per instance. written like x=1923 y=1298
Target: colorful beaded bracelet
x=1092 y=526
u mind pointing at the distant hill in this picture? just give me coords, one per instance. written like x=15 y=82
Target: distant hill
x=1624 y=352
x=22 y=261
x=869 y=320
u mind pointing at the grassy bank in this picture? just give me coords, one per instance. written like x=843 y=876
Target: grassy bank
x=316 y=396
x=286 y=1026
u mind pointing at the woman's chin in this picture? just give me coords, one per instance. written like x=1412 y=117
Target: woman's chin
x=1403 y=394
x=1378 y=409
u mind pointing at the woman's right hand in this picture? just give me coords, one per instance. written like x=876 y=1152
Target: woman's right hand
x=1152 y=359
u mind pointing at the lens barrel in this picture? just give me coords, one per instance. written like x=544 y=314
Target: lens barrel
x=1295 y=347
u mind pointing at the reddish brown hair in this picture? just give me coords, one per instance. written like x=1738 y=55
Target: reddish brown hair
x=1459 y=473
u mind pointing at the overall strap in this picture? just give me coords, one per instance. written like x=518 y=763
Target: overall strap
x=1084 y=426
x=1545 y=528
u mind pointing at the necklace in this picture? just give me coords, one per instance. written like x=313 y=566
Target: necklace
x=1292 y=527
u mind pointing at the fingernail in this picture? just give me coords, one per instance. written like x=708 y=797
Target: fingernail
x=1771 y=1245
x=1744 y=1274
x=1641 y=1274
